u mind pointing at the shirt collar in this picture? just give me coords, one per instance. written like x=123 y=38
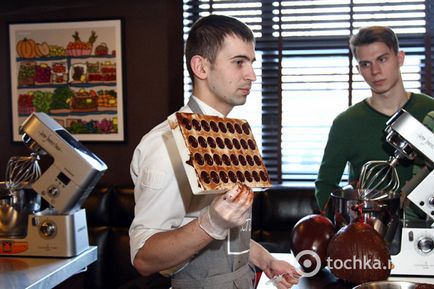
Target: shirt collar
x=208 y=110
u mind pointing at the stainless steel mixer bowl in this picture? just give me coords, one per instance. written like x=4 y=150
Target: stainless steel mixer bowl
x=15 y=206
x=387 y=285
x=383 y=214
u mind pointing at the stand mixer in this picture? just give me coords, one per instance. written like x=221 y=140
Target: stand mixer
x=416 y=238
x=61 y=229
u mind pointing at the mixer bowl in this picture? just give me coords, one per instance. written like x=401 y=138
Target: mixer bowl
x=15 y=206
x=383 y=214
x=387 y=285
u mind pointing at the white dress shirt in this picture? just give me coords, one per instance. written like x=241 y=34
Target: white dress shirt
x=163 y=196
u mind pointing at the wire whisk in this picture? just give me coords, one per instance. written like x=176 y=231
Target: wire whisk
x=379 y=178
x=22 y=170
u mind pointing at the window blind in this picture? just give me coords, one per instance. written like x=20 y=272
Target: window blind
x=305 y=73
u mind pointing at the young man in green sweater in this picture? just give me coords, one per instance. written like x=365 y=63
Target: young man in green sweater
x=357 y=134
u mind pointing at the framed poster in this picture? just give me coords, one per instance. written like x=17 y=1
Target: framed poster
x=73 y=72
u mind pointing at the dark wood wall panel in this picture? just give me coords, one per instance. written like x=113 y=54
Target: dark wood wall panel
x=153 y=53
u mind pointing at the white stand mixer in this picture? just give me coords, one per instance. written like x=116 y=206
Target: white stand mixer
x=61 y=230
x=416 y=255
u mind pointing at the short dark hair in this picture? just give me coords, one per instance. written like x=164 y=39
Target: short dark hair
x=207 y=35
x=368 y=35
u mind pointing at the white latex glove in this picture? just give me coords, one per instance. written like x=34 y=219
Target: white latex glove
x=226 y=211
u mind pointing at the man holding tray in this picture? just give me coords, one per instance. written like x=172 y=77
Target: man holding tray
x=201 y=240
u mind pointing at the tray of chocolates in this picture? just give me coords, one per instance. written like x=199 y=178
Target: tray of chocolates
x=218 y=152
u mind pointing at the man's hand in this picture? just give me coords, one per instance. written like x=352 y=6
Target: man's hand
x=282 y=274
x=226 y=211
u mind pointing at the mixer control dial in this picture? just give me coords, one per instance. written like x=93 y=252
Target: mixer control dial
x=53 y=191
x=48 y=229
x=431 y=201
x=425 y=245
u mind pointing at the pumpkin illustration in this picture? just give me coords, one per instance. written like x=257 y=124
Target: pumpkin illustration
x=42 y=49
x=26 y=48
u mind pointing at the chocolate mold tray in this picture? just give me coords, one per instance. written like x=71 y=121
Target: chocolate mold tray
x=218 y=152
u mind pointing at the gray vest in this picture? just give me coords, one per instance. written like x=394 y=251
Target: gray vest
x=223 y=264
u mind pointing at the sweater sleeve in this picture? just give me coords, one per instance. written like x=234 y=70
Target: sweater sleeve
x=332 y=165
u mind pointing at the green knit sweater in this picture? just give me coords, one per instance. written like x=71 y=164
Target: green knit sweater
x=357 y=136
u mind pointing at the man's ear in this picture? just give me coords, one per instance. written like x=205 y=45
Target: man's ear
x=401 y=57
x=199 y=66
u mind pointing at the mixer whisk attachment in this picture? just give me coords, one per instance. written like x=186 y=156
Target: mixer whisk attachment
x=22 y=170
x=379 y=178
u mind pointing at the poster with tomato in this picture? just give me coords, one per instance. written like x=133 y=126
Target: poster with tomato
x=73 y=72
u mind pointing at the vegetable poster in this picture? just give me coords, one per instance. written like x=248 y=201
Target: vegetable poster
x=73 y=72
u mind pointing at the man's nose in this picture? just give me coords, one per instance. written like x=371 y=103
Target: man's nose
x=375 y=68
x=250 y=74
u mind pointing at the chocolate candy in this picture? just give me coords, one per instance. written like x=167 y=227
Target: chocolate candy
x=222 y=152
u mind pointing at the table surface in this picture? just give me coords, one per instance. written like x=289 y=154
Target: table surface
x=326 y=280
x=42 y=272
